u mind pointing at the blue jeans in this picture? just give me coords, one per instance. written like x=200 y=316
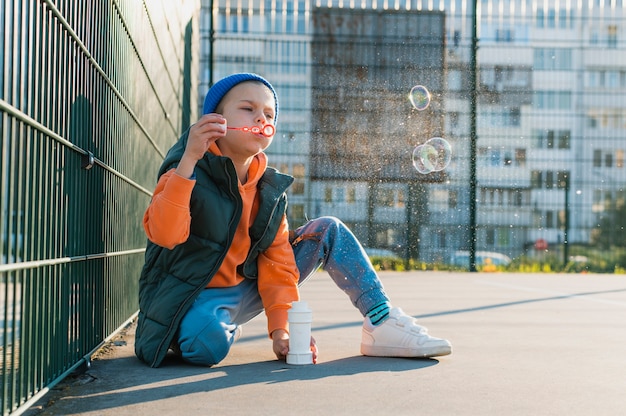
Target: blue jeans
x=207 y=331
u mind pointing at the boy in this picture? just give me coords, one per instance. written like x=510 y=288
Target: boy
x=220 y=250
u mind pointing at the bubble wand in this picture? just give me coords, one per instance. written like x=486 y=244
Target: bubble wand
x=267 y=130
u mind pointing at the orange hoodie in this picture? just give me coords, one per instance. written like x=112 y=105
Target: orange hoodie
x=168 y=218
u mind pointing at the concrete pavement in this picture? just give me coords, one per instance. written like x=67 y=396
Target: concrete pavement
x=523 y=344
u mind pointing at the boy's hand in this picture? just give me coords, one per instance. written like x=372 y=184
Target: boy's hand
x=207 y=130
x=280 y=339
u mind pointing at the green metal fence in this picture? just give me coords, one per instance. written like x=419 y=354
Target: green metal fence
x=92 y=94
x=530 y=94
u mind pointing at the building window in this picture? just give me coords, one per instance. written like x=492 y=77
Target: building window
x=597 y=204
x=454 y=120
x=495 y=157
x=563 y=19
x=612 y=79
x=537 y=138
x=503 y=237
x=455 y=80
x=400 y=200
x=297 y=212
x=560 y=219
x=297 y=188
x=536 y=179
x=351 y=195
x=564 y=139
x=550 y=139
x=504 y=35
x=562 y=179
x=592 y=121
x=298 y=173
x=492 y=196
x=390 y=197
x=441 y=239
x=597 y=158
x=592 y=79
x=553 y=100
x=452 y=199
x=551 y=18
x=540 y=17
x=328 y=194
x=552 y=59
x=549 y=219
x=549 y=179
x=520 y=157
x=299 y=170
x=501 y=157
x=612 y=36
x=508 y=159
x=385 y=197
x=505 y=117
x=513 y=118
x=341 y=194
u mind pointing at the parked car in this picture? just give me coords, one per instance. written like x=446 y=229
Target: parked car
x=380 y=252
x=461 y=258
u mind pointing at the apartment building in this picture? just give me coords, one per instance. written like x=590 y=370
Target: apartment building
x=549 y=114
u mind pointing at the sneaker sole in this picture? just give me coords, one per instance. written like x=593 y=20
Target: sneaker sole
x=373 y=351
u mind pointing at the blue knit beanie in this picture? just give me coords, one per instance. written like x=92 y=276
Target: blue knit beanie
x=221 y=88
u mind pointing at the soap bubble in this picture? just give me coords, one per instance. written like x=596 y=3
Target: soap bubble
x=444 y=152
x=419 y=97
x=423 y=156
x=433 y=156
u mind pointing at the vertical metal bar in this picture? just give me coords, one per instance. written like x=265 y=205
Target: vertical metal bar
x=15 y=336
x=566 y=222
x=9 y=304
x=55 y=224
x=37 y=187
x=7 y=194
x=30 y=347
x=473 y=138
x=19 y=212
x=211 y=41
x=70 y=130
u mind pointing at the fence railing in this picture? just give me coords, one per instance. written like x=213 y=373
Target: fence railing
x=92 y=94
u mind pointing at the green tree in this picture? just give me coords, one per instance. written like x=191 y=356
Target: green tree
x=611 y=228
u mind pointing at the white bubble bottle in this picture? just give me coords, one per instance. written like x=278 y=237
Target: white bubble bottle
x=300 y=317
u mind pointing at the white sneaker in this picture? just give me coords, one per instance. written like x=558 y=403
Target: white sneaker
x=400 y=336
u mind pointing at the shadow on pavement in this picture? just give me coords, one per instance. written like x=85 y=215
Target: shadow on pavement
x=176 y=378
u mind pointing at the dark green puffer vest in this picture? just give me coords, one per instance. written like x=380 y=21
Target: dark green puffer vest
x=172 y=279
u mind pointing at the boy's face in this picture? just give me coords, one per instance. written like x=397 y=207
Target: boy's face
x=247 y=104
